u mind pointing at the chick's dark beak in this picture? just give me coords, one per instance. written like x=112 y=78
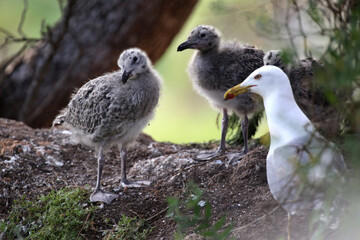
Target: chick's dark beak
x=184 y=45
x=125 y=76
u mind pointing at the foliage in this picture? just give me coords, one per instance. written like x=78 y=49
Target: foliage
x=335 y=25
x=234 y=134
x=129 y=228
x=195 y=213
x=338 y=22
x=58 y=215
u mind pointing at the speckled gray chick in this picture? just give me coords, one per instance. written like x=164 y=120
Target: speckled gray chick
x=216 y=66
x=112 y=110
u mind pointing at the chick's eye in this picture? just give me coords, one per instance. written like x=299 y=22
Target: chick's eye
x=257 y=77
x=202 y=35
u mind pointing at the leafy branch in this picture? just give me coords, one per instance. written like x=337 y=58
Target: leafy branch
x=195 y=213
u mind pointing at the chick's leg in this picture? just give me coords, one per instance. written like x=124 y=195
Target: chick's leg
x=221 y=149
x=100 y=195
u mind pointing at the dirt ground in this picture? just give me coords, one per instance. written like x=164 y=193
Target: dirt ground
x=35 y=161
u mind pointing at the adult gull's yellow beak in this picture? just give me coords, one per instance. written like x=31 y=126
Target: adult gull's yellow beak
x=234 y=91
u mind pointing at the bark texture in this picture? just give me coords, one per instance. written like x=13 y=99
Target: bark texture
x=84 y=44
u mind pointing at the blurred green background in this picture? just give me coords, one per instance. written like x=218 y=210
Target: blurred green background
x=182 y=116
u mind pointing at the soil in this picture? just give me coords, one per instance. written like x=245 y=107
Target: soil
x=36 y=161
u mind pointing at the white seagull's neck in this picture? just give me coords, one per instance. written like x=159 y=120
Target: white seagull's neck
x=285 y=119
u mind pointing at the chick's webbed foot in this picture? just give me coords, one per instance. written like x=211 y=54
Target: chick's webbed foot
x=210 y=155
x=134 y=183
x=103 y=196
x=235 y=157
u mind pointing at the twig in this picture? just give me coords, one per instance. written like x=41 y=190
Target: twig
x=256 y=220
x=288 y=29
x=157 y=214
x=57 y=175
x=138 y=215
x=9 y=61
x=40 y=74
x=11 y=38
x=43 y=29
x=301 y=28
x=61 y=5
x=191 y=166
x=333 y=9
x=24 y=39
x=288 y=227
x=82 y=227
x=22 y=19
x=6 y=32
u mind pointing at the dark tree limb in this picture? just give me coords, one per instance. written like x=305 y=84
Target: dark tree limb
x=84 y=44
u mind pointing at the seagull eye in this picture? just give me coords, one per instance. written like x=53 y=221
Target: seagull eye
x=257 y=77
x=202 y=35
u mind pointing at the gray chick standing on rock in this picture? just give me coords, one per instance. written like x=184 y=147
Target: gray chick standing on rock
x=217 y=66
x=112 y=110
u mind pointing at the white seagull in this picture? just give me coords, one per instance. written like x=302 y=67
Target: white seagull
x=301 y=164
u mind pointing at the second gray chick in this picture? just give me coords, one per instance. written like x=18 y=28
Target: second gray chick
x=217 y=66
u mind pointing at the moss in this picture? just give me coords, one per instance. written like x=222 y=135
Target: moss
x=62 y=214
x=129 y=228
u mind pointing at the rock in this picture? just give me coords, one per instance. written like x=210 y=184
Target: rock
x=36 y=161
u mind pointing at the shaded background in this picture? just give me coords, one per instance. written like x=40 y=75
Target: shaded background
x=182 y=116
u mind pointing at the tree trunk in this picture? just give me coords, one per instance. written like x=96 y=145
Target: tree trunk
x=84 y=44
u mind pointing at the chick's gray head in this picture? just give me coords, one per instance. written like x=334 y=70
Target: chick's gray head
x=272 y=57
x=202 y=38
x=133 y=62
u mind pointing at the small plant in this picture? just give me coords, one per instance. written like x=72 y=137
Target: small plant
x=58 y=215
x=129 y=229
x=195 y=213
x=234 y=134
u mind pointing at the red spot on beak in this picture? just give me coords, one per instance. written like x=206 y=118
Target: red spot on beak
x=230 y=96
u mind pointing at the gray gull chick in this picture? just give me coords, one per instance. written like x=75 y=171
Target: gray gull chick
x=112 y=110
x=217 y=66
x=301 y=164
